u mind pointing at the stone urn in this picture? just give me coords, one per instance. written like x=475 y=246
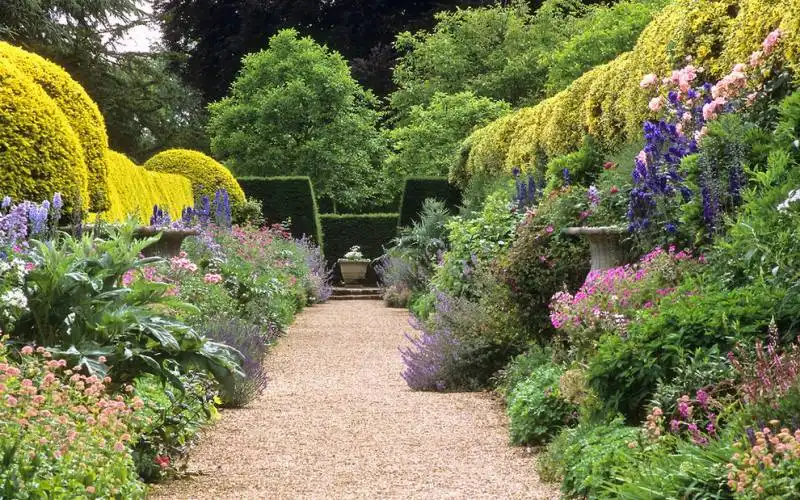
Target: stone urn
x=605 y=244
x=353 y=270
x=168 y=245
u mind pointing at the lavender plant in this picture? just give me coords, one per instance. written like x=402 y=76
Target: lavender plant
x=320 y=273
x=252 y=342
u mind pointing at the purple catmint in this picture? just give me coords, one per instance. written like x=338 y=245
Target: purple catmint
x=427 y=358
x=6 y=202
x=252 y=343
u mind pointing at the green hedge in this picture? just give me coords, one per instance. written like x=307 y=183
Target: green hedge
x=369 y=231
x=417 y=189
x=287 y=198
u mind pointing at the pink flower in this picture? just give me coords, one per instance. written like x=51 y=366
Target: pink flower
x=751 y=98
x=648 y=81
x=119 y=447
x=11 y=400
x=739 y=68
x=102 y=359
x=656 y=103
x=642 y=157
x=549 y=229
x=162 y=461
x=128 y=277
x=26 y=351
x=756 y=58
x=212 y=278
x=770 y=42
x=686 y=116
x=679 y=129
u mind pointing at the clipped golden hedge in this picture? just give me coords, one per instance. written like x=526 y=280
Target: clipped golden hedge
x=39 y=152
x=82 y=114
x=607 y=101
x=207 y=175
x=134 y=190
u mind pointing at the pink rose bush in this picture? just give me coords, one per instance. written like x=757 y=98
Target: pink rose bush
x=610 y=299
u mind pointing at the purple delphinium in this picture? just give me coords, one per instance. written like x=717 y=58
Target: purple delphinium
x=6 y=203
x=14 y=225
x=593 y=195
x=160 y=217
x=222 y=208
x=37 y=216
x=527 y=193
x=565 y=174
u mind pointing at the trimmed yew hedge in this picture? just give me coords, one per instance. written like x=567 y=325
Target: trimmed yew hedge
x=287 y=198
x=369 y=231
x=418 y=189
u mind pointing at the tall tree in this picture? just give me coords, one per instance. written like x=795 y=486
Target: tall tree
x=296 y=110
x=216 y=34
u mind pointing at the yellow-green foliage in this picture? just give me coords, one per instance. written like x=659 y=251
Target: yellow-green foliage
x=607 y=102
x=39 y=151
x=134 y=190
x=207 y=175
x=81 y=112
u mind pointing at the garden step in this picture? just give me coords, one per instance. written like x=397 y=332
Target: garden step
x=361 y=296
x=356 y=290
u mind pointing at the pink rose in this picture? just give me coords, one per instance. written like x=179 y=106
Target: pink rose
x=656 y=103
x=648 y=81
x=770 y=42
x=756 y=58
x=739 y=68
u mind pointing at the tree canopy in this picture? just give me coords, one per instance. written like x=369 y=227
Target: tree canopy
x=295 y=110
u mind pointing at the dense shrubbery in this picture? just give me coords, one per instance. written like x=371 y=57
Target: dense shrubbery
x=287 y=198
x=118 y=349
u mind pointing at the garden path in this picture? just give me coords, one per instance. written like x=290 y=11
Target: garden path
x=338 y=421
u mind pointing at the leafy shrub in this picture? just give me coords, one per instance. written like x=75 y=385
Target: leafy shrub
x=250 y=213
x=410 y=261
x=473 y=240
x=541 y=262
x=62 y=434
x=585 y=458
x=599 y=36
x=252 y=343
x=78 y=307
x=675 y=469
x=522 y=366
x=287 y=198
x=428 y=140
x=625 y=371
x=397 y=296
x=536 y=408
x=205 y=173
x=580 y=167
x=42 y=155
x=171 y=420
x=81 y=112
x=419 y=189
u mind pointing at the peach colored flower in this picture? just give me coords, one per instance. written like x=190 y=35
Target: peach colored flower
x=90 y=490
x=119 y=447
x=756 y=58
x=26 y=351
x=11 y=401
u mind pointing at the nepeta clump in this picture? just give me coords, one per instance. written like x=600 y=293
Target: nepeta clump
x=252 y=342
x=428 y=357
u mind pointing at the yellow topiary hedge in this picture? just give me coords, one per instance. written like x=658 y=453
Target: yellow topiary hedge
x=607 y=101
x=207 y=175
x=82 y=114
x=134 y=190
x=39 y=151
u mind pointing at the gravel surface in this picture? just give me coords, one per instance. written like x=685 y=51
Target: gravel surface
x=338 y=421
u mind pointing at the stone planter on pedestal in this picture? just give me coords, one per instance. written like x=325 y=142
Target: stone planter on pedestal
x=169 y=245
x=353 y=270
x=605 y=244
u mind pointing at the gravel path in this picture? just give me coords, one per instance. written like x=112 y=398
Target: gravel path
x=338 y=421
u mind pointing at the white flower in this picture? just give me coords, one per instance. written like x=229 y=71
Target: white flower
x=14 y=298
x=793 y=196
